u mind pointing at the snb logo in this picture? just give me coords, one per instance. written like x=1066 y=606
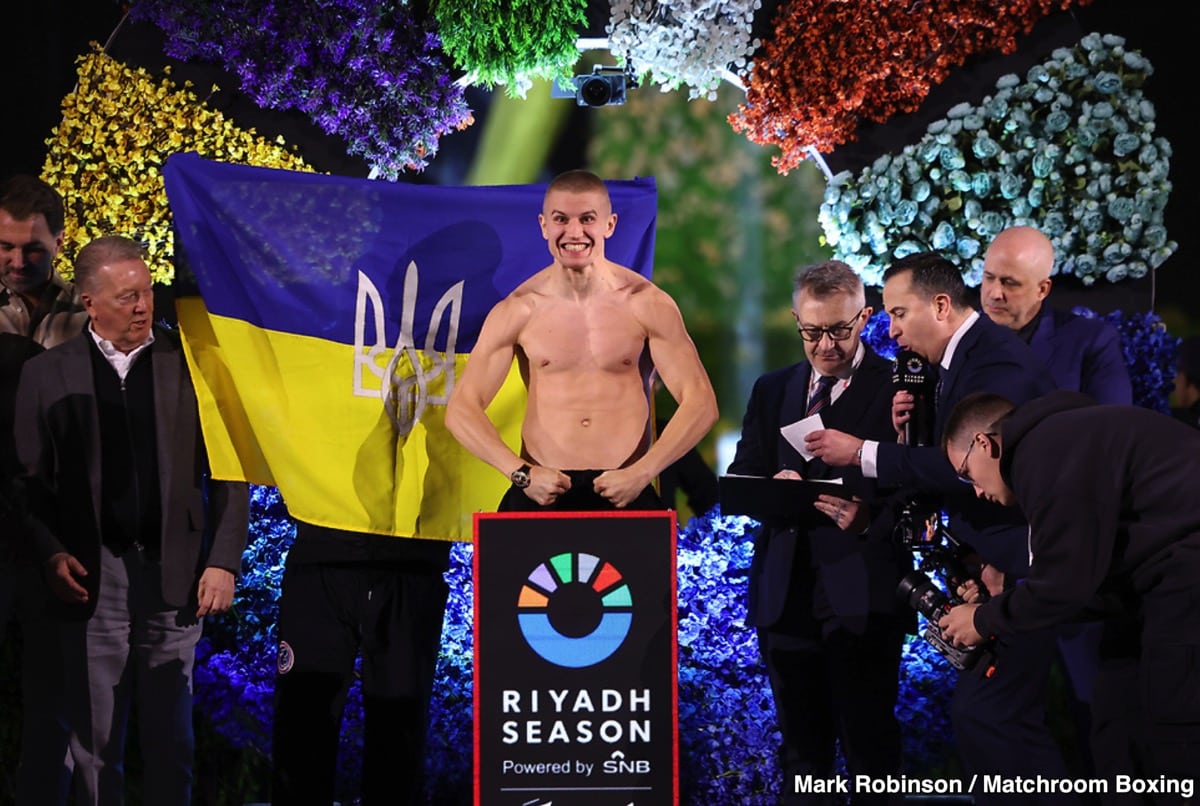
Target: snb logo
x=575 y=610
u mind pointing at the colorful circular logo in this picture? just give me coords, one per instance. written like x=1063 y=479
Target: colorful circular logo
x=575 y=610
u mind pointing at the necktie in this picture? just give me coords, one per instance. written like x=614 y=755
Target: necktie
x=820 y=398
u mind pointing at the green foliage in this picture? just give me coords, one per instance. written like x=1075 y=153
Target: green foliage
x=510 y=42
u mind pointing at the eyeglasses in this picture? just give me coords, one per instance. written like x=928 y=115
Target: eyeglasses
x=964 y=475
x=839 y=332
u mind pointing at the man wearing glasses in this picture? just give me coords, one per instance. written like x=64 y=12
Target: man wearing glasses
x=823 y=596
x=999 y=721
x=1114 y=535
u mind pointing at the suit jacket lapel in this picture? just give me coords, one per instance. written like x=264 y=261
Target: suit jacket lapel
x=79 y=384
x=949 y=377
x=794 y=400
x=166 y=408
x=853 y=403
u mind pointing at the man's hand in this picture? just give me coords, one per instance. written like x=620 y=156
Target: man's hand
x=62 y=570
x=546 y=484
x=620 y=487
x=215 y=592
x=902 y=405
x=993 y=579
x=958 y=626
x=834 y=448
x=848 y=515
x=788 y=473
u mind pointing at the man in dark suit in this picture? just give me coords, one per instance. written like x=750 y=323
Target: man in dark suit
x=140 y=542
x=1081 y=353
x=822 y=593
x=1000 y=720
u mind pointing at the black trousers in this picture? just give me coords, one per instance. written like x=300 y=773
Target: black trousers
x=392 y=612
x=1000 y=722
x=840 y=687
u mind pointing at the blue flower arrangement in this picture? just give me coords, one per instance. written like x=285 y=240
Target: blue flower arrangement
x=1068 y=149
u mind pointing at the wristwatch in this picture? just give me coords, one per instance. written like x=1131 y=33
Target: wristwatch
x=520 y=476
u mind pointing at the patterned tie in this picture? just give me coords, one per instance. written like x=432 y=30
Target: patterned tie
x=820 y=398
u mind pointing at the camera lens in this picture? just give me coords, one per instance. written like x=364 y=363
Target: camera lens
x=595 y=91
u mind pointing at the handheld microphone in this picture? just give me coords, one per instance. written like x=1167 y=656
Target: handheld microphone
x=912 y=373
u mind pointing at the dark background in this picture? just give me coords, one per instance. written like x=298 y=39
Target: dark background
x=44 y=38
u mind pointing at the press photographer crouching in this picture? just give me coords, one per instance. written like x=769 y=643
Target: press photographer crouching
x=1110 y=495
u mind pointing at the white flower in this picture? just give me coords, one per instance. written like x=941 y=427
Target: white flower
x=683 y=42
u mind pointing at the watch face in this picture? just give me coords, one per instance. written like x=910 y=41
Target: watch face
x=520 y=476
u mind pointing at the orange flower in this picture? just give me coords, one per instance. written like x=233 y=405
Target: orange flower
x=829 y=66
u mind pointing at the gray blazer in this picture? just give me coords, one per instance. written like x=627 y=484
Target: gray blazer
x=204 y=523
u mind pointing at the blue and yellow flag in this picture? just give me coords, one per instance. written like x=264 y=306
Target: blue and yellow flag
x=337 y=314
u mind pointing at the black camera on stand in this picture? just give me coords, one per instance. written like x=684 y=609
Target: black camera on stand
x=919 y=529
x=604 y=86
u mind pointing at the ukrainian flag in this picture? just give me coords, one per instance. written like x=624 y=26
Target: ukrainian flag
x=335 y=315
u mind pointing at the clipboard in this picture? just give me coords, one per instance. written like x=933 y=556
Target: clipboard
x=772 y=500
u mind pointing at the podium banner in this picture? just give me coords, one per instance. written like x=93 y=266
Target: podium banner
x=576 y=695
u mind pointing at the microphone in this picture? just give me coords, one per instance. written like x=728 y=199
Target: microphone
x=912 y=373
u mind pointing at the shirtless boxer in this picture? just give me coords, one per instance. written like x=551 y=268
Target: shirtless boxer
x=581 y=329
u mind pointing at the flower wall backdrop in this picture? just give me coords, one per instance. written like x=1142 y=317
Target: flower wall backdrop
x=1069 y=149
x=118 y=127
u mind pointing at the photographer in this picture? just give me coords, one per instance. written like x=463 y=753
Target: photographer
x=1114 y=534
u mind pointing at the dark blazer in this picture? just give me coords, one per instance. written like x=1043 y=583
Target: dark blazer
x=989 y=358
x=858 y=573
x=1084 y=355
x=204 y=523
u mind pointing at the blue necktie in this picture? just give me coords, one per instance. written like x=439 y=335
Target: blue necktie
x=820 y=398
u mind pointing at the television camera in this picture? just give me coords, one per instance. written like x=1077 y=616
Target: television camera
x=919 y=529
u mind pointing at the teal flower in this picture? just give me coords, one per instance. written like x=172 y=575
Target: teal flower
x=1057 y=121
x=985 y=147
x=1092 y=221
x=943 y=236
x=1121 y=208
x=1107 y=83
x=1042 y=164
x=1010 y=185
x=981 y=184
x=991 y=223
x=1126 y=144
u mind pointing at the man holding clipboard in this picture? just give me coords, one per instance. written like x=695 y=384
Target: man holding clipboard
x=823 y=581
